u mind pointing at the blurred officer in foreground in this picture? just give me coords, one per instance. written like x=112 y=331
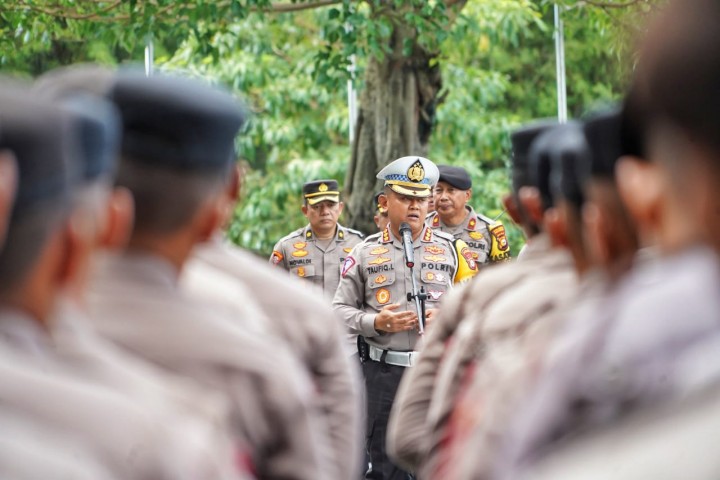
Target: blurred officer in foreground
x=658 y=341
x=177 y=180
x=485 y=236
x=485 y=314
x=381 y=216
x=227 y=275
x=372 y=297
x=43 y=255
x=317 y=251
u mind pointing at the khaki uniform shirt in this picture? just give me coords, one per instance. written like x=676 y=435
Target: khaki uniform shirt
x=305 y=323
x=408 y=430
x=136 y=303
x=484 y=236
x=375 y=275
x=303 y=255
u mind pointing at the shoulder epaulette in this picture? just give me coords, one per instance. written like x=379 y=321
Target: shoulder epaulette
x=296 y=233
x=487 y=220
x=444 y=235
x=355 y=232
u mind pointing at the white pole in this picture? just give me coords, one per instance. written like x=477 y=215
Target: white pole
x=149 y=54
x=352 y=100
x=560 y=66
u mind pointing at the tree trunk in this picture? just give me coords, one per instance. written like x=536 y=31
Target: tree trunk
x=396 y=114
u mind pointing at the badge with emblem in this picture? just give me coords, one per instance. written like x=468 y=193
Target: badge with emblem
x=435 y=294
x=382 y=296
x=435 y=277
x=468 y=256
x=434 y=258
x=347 y=250
x=416 y=172
x=276 y=257
x=476 y=235
x=322 y=188
x=379 y=251
x=380 y=279
x=300 y=245
x=379 y=261
x=435 y=250
x=301 y=271
x=429 y=276
x=349 y=263
x=300 y=253
x=499 y=233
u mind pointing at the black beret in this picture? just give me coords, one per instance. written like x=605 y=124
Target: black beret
x=540 y=164
x=43 y=138
x=455 y=176
x=99 y=134
x=604 y=136
x=319 y=190
x=522 y=140
x=176 y=122
x=376 y=198
x=570 y=163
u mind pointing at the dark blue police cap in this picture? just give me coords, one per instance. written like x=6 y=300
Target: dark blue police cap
x=176 y=122
x=521 y=140
x=570 y=163
x=603 y=132
x=43 y=138
x=455 y=176
x=80 y=89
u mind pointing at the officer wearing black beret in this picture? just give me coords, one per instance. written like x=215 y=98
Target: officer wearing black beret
x=381 y=215
x=484 y=236
x=317 y=251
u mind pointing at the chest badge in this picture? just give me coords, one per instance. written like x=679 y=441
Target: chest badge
x=434 y=258
x=378 y=251
x=476 y=235
x=300 y=245
x=379 y=261
x=380 y=279
x=435 y=250
x=347 y=250
x=301 y=271
x=300 y=253
x=382 y=296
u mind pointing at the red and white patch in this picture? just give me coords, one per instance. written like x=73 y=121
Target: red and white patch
x=347 y=266
x=276 y=257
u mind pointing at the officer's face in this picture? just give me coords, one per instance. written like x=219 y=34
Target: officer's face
x=449 y=201
x=323 y=216
x=404 y=208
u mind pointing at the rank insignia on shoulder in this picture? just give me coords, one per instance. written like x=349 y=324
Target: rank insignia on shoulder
x=347 y=266
x=436 y=221
x=382 y=296
x=341 y=234
x=428 y=235
x=300 y=245
x=379 y=251
x=386 y=236
x=300 y=253
x=471 y=224
x=476 y=235
x=276 y=257
x=308 y=234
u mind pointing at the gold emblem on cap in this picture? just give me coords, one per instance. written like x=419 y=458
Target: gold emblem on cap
x=416 y=172
x=322 y=188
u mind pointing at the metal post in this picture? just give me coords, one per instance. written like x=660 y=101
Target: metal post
x=149 y=57
x=560 y=66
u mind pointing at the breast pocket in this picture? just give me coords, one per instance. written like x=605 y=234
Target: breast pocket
x=436 y=278
x=379 y=286
x=304 y=271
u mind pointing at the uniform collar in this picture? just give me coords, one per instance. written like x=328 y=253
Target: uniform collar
x=308 y=234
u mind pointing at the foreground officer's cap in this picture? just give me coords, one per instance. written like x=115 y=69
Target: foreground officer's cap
x=411 y=176
x=603 y=132
x=522 y=139
x=80 y=90
x=570 y=163
x=43 y=138
x=176 y=122
x=455 y=176
x=321 y=190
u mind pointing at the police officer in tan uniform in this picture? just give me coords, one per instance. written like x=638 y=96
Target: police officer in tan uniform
x=484 y=236
x=372 y=297
x=317 y=251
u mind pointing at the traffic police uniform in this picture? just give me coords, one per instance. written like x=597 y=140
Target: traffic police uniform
x=375 y=275
x=303 y=255
x=484 y=236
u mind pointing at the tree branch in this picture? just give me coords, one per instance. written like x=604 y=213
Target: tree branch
x=601 y=4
